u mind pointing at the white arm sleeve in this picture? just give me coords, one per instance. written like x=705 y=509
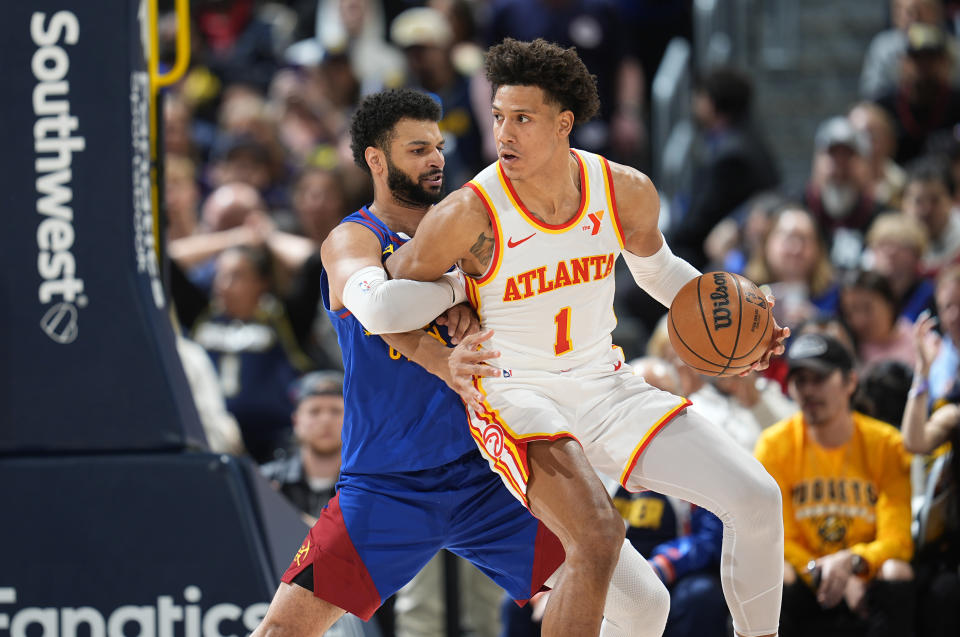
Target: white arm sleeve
x=399 y=305
x=662 y=274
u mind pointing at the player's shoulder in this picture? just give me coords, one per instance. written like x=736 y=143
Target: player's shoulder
x=462 y=206
x=349 y=231
x=349 y=237
x=634 y=191
x=627 y=179
x=486 y=177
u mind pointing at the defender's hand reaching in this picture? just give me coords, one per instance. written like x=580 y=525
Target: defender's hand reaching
x=461 y=321
x=466 y=361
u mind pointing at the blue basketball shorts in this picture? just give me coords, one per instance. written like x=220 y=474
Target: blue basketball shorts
x=380 y=530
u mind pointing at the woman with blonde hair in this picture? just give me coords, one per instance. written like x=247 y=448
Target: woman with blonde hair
x=895 y=247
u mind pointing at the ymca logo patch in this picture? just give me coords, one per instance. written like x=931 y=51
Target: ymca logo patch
x=594 y=225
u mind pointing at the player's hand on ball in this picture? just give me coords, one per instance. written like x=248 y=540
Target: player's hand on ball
x=460 y=320
x=776 y=346
x=468 y=360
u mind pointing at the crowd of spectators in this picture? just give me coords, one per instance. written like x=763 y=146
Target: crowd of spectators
x=257 y=170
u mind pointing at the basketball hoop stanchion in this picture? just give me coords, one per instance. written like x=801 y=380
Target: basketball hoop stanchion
x=157 y=81
x=102 y=452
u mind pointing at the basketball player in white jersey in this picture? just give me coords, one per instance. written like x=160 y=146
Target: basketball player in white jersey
x=537 y=235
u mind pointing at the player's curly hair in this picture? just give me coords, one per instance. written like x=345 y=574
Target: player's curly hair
x=559 y=72
x=373 y=122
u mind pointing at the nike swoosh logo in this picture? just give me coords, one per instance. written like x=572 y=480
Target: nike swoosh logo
x=617 y=366
x=513 y=244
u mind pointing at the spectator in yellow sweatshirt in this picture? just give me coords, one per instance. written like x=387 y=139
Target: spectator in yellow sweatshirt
x=846 y=504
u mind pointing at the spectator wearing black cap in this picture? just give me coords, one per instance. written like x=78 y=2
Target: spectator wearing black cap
x=845 y=483
x=839 y=192
x=923 y=104
x=308 y=476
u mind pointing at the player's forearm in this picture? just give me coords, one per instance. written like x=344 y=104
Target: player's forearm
x=406 y=264
x=387 y=307
x=423 y=349
x=662 y=274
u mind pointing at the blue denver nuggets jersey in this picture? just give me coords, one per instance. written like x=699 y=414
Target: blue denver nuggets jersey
x=398 y=416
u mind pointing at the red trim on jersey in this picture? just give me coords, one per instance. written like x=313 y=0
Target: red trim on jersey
x=369 y=225
x=613 y=199
x=380 y=233
x=529 y=215
x=499 y=466
x=495 y=260
x=344 y=314
x=339 y=574
x=472 y=294
x=657 y=428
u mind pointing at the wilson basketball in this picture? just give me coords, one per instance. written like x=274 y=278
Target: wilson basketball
x=720 y=324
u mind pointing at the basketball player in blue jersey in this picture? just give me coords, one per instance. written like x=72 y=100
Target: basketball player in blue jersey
x=412 y=480
x=537 y=234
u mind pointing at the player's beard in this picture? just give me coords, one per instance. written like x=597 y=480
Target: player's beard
x=409 y=192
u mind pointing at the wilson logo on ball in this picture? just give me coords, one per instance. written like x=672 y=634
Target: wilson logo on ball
x=720 y=298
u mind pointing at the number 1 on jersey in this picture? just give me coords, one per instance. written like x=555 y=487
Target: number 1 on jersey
x=562 y=344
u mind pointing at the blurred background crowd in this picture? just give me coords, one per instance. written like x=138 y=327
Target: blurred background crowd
x=813 y=147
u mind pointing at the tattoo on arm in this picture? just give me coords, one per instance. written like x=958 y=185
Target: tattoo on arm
x=482 y=248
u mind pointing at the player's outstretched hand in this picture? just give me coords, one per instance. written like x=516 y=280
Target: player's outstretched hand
x=468 y=360
x=775 y=348
x=461 y=321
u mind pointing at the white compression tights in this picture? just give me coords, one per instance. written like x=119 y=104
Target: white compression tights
x=694 y=460
x=637 y=602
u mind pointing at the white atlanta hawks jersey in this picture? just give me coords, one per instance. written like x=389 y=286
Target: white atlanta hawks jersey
x=548 y=293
